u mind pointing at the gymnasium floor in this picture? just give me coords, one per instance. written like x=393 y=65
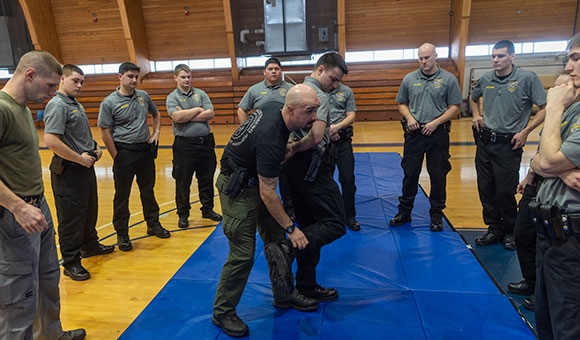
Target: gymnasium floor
x=123 y=284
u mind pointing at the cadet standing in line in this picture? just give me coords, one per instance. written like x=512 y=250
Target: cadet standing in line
x=74 y=184
x=342 y=112
x=271 y=89
x=125 y=132
x=500 y=134
x=557 y=209
x=29 y=270
x=428 y=98
x=247 y=185
x=190 y=110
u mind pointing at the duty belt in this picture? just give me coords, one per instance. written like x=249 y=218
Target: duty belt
x=133 y=146
x=552 y=222
x=489 y=136
x=33 y=200
x=196 y=140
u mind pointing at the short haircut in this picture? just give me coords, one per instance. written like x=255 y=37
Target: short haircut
x=128 y=66
x=43 y=62
x=505 y=44
x=69 y=69
x=331 y=60
x=181 y=67
x=272 y=60
x=573 y=42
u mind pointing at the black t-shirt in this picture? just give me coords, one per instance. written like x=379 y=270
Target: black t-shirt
x=260 y=143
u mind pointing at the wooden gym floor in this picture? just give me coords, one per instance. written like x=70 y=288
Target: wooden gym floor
x=123 y=283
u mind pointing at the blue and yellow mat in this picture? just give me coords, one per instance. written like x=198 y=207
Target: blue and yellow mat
x=394 y=283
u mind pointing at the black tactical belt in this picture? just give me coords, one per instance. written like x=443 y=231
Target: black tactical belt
x=196 y=140
x=489 y=136
x=552 y=222
x=133 y=146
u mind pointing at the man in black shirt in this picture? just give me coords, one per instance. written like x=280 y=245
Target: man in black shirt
x=247 y=187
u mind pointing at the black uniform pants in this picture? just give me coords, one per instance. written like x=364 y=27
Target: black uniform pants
x=75 y=198
x=525 y=236
x=190 y=158
x=127 y=165
x=436 y=149
x=558 y=288
x=497 y=167
x=344 y=160
x=319 y=212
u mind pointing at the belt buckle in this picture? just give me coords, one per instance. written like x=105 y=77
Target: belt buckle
x=492 y=137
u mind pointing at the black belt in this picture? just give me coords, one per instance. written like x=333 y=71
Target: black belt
x=133 y=146
x=34 y=200
x=552 y=222
x=196 y=140
x=489 y=136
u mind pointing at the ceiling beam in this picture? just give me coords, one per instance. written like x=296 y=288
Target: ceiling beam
x=459 y=34
x=41 y=25
x=341 y=18
x=134 y=33
x=231 y=41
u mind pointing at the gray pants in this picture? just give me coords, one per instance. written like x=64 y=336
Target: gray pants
x=29 y=276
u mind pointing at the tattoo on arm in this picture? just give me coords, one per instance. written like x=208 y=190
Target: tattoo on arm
x=268 y=183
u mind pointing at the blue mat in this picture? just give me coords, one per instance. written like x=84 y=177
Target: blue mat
x=394 y=283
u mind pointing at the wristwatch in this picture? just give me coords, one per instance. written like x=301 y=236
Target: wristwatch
x=290 y=229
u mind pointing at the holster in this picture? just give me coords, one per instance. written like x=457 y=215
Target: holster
x=236 y=182
x=57 y=165
x=548 y=220
x=346 y=133
x=315 y=162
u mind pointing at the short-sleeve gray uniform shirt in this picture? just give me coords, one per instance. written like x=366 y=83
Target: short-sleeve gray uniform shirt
x=261 y=93
x=553 y=191
x=65 y=116
x=126 y=116
x=341 y=101
x=429 y=97
x=322 y=113
x=507 y=103
x=194 y=98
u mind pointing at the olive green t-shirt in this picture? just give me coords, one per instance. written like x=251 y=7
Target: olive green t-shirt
x=20 y=167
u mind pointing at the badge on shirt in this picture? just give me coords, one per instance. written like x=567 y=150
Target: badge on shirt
x=438 y=83
x=141 y=101
x=282 y=91
x=512 y=85
x=340 y=96
x=195 y=97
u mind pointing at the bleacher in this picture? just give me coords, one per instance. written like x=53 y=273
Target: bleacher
x=375 y=87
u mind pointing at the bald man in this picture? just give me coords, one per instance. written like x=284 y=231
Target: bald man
x=428 y=98
x=29 y=270
x=247 y=183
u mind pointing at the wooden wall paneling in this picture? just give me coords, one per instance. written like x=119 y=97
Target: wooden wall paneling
x=577 y=19
x=341 y=17
x=172 y=35
x=83 y=41
x=41 y=24
x=321 y=14
x=521 y=21
x=248 y=14
x=393 y=24
x=134 y=32
x=459 y=34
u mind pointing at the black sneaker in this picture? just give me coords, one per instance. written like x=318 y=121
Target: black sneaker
x=76 y=272
x=320 y=293
x=489 y=238
x=353 y=224
x=280 y=267
x=158 y=231
x=436 y=224
x=75 y=334
x=297 y=301
x=101 y=249
x=212 y=215
x=509 y=243
x=231 y=324
x=183 y=222
x=400 y=219
x=124 y=243
x=530 y=303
